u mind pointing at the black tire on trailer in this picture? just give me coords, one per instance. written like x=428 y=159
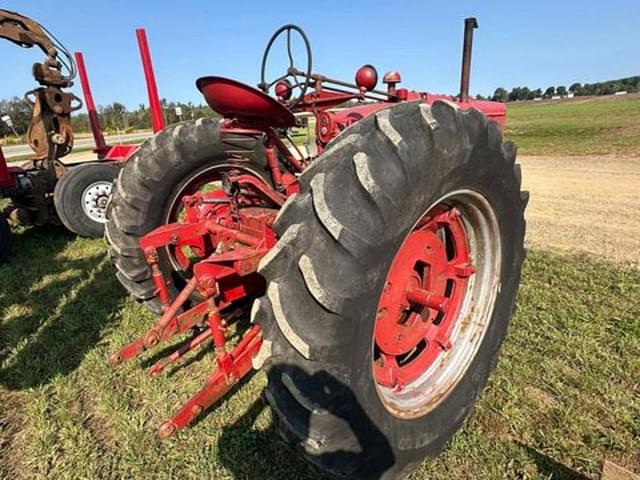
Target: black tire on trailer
x=149 y=188
x=5 y=239
x=337 y=240
x=81 y=195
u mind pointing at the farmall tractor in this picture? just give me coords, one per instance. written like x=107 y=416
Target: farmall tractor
x=380 y=270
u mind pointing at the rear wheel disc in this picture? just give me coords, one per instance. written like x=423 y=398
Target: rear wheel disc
x=436 y=303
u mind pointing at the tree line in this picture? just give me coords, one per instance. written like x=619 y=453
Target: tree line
x=114 y=117
x=630 y=84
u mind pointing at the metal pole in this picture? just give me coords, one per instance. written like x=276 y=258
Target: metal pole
x=157 y=117
x=465 y=77
x=94 y=121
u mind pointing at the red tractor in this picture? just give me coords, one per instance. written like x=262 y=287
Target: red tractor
x=380 y=267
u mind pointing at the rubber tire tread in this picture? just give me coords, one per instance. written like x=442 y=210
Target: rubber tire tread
x=337 y=239
x=142 y=191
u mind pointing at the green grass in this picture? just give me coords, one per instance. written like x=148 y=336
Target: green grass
x=577 y=127
x=565 y=394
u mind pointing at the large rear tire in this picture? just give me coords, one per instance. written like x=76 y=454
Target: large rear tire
x=340 y=241
x=148 y=190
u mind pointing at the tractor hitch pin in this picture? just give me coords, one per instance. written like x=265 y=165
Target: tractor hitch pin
x=151 y=255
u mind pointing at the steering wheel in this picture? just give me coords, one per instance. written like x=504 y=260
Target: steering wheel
x=292 y=71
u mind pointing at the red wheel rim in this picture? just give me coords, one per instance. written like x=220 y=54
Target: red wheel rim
x=436 y=303
x=419 y=305
x=209 y=180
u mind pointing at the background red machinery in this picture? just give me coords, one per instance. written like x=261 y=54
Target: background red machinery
x=44 y=189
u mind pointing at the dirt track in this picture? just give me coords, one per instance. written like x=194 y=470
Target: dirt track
x=584 y=204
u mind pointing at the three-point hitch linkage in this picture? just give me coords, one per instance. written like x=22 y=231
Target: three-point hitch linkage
x=241 y=237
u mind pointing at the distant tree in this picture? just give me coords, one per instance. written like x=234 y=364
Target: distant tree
x=480 y=97
x=80 y=122
x=629 y=84
x=500 y=95
x=20 y=112
x=514 y=94
x=114 y=116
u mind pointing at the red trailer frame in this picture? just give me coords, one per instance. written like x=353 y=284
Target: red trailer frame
x=122 y=152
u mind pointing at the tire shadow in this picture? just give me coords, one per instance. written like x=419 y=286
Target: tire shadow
x=271 y=456
x=53 y=308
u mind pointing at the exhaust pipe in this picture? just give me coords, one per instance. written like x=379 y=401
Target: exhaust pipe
x=469 y=24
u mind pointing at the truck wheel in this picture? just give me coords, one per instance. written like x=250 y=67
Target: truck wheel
x=391 y=287
x=5 y=239
x=81 y=196
x=176 y=162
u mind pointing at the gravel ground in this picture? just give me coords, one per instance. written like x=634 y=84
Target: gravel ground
x=584 y=204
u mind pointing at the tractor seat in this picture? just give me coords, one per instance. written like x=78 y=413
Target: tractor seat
x=237 y=100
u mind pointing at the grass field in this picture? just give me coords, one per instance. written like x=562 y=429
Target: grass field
x=564 y=397
x=565 y=394
x=595 y=126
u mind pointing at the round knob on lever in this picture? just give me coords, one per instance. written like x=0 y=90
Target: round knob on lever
x=283 y=90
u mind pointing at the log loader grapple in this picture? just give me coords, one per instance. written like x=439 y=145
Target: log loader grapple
x=374 y=271
x=44 y=189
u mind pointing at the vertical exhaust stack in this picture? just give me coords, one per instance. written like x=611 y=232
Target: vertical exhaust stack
x=469 y=25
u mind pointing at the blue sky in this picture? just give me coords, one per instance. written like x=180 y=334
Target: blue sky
x=534 y=43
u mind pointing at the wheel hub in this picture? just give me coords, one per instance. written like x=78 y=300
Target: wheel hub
x=437 y=303
x=421 y=298
x=94 y=200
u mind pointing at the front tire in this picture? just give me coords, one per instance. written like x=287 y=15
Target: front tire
x=339 y=240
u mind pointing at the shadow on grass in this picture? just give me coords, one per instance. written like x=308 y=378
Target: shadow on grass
x=53 y=308
x=337 y=434
x=550 y=468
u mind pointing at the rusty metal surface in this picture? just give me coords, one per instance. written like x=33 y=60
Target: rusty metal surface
x=49 y=134
x=51 y=106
